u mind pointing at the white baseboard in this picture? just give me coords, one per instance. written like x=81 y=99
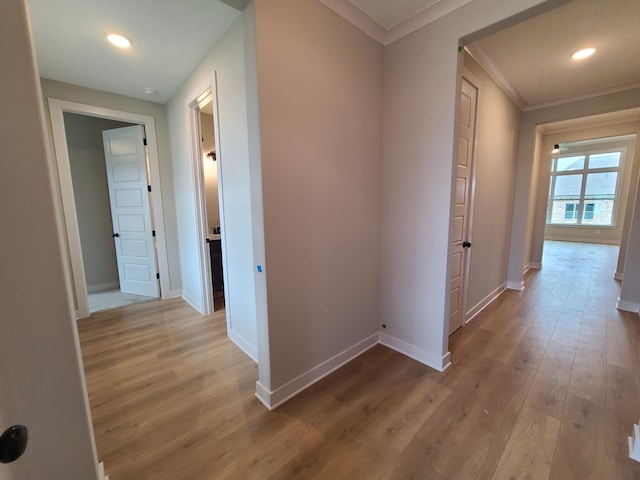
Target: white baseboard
x=176 y=293
x=103 y=287
x=101 y=475
x=535 y=265
x=634 y=443
x=192 y=301
x=434 y=361
x=484 y=303
x=273 y=398
x=628 y=306
x=264 y=395
x=515 y=285
x=618 y=275
x=244 y=345
x=446 y=361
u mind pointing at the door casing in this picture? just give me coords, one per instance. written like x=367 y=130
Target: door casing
x=69 y=224
x=192 y=103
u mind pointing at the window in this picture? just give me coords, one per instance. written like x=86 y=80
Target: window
x=571 y=211
x=583 y=188
x=589 y=210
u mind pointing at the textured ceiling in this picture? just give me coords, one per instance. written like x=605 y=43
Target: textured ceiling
x=169 y=38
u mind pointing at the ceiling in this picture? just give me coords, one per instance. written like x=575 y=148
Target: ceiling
x=169 y=39
x=534 y=55
x=389 y=14
x=530 y=60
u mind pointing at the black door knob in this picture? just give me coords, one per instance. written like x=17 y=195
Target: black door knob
x=115 y=235
x=13 y=443
x=466 y=244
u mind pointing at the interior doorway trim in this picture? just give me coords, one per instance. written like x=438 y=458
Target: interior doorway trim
x=57 y=108
x=201 y=96
x=195 y=144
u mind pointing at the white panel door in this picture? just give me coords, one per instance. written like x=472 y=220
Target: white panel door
x=126 y=160
x=463 y=191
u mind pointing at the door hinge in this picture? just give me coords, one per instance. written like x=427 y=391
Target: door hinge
x=153 y=233
x=144 y=142
x=157 y=276
x=148 y=188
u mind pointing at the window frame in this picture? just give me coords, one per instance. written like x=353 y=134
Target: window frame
x=584 y=172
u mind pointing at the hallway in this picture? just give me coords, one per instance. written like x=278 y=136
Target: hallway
x=573 y=388
x=544 y=383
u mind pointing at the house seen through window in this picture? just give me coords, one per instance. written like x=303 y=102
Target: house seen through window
x=583 y=188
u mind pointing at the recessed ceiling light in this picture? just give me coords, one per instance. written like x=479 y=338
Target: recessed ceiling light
x=584 y=53
x=119 y=40
x=149 y=91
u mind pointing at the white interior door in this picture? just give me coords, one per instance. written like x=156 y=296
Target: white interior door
x=463 y=191
x=126 y=160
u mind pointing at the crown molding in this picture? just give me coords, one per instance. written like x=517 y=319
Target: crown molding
x=357 y=18
x=423 y=18
x=583 y=96
x=365 y=23
x=479 y=55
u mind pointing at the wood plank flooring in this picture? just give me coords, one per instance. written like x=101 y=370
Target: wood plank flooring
x=544 y=384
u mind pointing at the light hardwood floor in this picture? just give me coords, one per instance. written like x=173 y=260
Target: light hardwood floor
x=544 y=384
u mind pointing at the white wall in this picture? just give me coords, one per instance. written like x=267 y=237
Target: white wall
x=210 y=171
x=524 y=237
x=74 y=93
x=227 y=58
x=630 y=291
x=420 y=86
x=41 y=377
x=497 y=125
x=320 y=88
x=91 y=195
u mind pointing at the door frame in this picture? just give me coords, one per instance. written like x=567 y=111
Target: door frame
x=57 y=109
x=192 y=104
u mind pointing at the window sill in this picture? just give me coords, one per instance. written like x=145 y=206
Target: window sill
x=596 y=227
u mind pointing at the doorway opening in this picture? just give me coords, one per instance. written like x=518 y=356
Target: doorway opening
x=206 y=164
x=120 y=265
x=138 y=236
x=589 y=181
x=212 y=201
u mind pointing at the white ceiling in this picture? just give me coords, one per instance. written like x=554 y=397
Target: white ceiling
x=389 y=14
x=534 y=55
x=169 y=39
x=530 y=59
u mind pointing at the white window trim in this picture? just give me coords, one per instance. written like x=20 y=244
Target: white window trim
x=584 y=171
